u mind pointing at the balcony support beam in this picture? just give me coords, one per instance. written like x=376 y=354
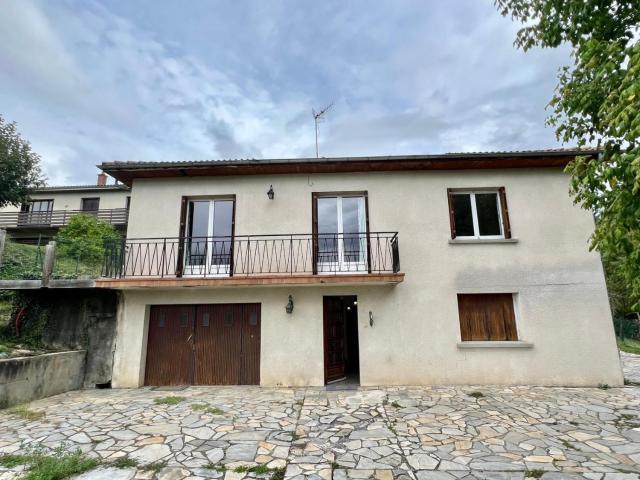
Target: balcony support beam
x=250 y=281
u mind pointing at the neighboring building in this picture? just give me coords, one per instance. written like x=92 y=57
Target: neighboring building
x=409 y=270
x=50 y=208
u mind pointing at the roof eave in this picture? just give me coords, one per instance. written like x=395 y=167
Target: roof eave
x=126 y=172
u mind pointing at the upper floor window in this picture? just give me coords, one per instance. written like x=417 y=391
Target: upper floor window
x=340 y=232
x=90 y=204
x=479 y=214
x=36 y=212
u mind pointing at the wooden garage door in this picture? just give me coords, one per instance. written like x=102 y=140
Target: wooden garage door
x=218 y=345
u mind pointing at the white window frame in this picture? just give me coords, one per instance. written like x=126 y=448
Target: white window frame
x=210 y=270
x=342 y=266
x=474 y=215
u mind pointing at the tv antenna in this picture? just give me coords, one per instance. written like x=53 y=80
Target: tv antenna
x=317 y=116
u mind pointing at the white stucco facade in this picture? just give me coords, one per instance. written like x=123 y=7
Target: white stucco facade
x=72 y=199
x=563 y=319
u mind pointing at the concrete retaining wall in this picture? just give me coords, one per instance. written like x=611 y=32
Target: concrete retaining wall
x=30 y=378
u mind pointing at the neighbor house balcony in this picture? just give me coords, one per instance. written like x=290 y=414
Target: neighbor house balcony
x=280 y=259
x=58 y=218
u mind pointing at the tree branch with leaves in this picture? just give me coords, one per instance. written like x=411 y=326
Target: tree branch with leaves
x=19 y=166
x=596 y=102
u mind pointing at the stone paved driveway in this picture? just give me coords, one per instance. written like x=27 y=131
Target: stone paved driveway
x=631 y=367
x=382 y=433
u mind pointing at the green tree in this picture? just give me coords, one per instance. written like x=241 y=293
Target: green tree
x=597 y=102
x=84 y=237
x=19 y=166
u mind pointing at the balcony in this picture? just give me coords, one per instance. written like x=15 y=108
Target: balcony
x=58 y=218
x=281 y=259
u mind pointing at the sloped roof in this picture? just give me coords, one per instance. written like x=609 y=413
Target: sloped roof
x=126 y=171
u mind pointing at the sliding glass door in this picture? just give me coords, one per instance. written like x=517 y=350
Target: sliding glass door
x=341 y=234
x=209 y=242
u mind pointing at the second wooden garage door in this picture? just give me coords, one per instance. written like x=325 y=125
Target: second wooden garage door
x=203 y=345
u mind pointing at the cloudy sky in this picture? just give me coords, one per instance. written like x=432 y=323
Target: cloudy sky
x=90 y=81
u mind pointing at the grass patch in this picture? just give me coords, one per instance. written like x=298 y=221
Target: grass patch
x=58 y=466
x=568 y=445
x=217 y=467
x=206 y=408
x=278 y=473
x=535 y=473
x=171 y=400
x=154 y=467
x=476 y=394
x=395 y=404
x=23 y=411
x=10 y=461
x=604 y=386
x=124 y=462
x=629 y=346
x=260 y=469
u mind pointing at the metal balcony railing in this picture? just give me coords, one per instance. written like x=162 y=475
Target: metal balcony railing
x=58 y=218
x=247 y=255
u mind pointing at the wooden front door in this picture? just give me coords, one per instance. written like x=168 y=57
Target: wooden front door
x=223 y=346
x=170 y=345
x=334 y=339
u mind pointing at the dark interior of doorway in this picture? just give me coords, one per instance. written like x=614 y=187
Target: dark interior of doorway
x=347 y=308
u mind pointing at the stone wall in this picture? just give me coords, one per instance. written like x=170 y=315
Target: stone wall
x=81 y=319
x=30 y=378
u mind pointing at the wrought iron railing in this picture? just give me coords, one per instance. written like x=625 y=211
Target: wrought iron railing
x=58 y=218
x=288 y=254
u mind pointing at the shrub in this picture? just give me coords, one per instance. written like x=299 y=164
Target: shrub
x=85 y=236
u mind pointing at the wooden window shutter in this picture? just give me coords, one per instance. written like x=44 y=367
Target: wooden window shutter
x=181 y=235
x=487 y=317
x=452 y=218
x=506 y=226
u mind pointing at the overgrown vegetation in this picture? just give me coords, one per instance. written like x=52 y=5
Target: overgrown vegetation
x=23 y=411
x=170 y=400
x=534 y=473
x=81 y=246
x=629 y=346
x=124 y=462
x=260 y=469
x=21 y=261
x=597 y=102
x=29 y=323
x=154 y=467
x=59 y=465
x=476 y=394
x=206 y=408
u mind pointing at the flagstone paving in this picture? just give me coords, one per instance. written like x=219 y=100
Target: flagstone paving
x=419 y=433
x=631 y=367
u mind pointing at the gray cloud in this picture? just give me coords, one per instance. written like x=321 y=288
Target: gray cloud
x=90 y=81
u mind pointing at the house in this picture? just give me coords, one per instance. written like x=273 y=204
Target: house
x=412 y=270
x=49 y=208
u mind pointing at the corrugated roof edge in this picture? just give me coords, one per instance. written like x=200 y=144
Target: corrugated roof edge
x=83 y=188
x=132 y=164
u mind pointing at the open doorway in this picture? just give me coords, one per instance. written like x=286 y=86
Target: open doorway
x=341 y=351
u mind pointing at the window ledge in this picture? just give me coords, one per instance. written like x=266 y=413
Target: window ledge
x=455 y=241
x=505 y=344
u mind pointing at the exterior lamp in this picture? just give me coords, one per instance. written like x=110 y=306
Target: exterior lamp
x=289 y=307
x=271 y=193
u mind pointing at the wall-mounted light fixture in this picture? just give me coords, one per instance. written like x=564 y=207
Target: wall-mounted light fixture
x=370 y=318
x=271 y=193
x=289 y=307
